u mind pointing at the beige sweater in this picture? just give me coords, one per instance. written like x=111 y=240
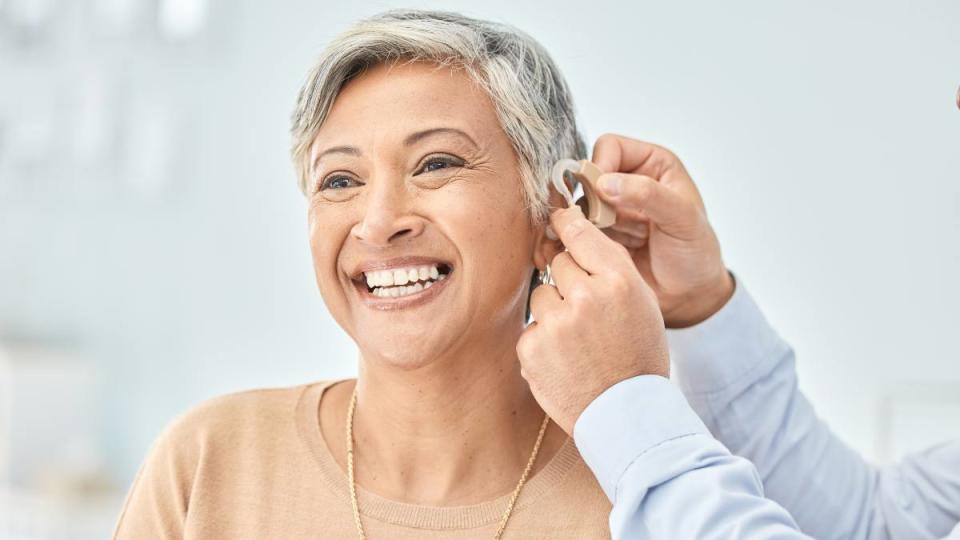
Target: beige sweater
x=255 y=465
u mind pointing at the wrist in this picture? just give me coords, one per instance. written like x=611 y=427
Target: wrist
x=701 y=304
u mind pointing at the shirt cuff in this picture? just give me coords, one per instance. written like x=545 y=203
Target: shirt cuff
x=628 y=419
x=711 y=356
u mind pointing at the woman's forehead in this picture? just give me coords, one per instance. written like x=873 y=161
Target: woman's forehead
x=396 y=101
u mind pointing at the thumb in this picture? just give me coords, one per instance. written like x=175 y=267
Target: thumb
x=672 y=213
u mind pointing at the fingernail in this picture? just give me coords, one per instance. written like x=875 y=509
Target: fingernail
x=551 y=234
x=574 y=227
x=611 y=185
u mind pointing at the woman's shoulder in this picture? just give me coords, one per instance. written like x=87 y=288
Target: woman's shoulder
x=213 y=448
x=231 y=428
x=240 y=412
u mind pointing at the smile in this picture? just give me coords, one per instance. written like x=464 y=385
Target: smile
x=406 y=281
x=401 y=283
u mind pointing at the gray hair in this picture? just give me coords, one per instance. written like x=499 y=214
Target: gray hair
x=532 y=100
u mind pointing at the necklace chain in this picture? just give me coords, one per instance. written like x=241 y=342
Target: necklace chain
x=353 y=483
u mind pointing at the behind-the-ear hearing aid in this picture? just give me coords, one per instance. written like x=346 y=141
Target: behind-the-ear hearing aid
x=585 y=174
x=566 y=175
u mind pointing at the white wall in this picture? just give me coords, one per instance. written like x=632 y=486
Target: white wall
x=824 y=137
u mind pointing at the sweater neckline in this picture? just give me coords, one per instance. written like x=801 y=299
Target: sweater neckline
x=412 y=515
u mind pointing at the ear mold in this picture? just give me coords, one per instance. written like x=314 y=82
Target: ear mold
x=568 y=173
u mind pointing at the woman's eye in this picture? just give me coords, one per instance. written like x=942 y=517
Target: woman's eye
x=338 y=182
x=438 y=163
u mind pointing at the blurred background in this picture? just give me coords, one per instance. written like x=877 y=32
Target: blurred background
x=153 y=246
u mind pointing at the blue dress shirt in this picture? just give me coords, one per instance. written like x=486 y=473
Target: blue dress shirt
x=668 y=477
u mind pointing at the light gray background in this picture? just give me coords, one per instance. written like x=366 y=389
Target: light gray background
x=824 y=137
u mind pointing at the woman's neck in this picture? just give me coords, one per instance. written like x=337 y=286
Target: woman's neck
x=451 y=433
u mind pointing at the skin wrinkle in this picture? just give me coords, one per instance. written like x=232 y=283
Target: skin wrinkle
x=477 y=162
x=443 y=415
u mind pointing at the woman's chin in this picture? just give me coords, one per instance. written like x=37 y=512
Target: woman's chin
x=410 y=345
x=409 y=359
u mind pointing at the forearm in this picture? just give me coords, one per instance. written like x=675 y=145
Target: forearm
x=666 y=476
x=740 y=377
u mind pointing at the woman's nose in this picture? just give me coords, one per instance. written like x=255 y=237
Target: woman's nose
x=387 y=216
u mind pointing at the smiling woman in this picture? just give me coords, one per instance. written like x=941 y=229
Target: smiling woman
x=423 y=143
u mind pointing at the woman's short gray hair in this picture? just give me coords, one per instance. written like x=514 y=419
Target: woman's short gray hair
x=531 y=98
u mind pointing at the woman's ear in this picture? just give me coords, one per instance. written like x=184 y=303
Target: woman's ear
x=544 y=249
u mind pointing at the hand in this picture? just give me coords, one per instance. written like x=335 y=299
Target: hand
x=600 y=325
x=662 y=222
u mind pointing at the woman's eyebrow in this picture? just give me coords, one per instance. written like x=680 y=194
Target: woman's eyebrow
x=349 y=150
x=416 y=137
x=411 y=139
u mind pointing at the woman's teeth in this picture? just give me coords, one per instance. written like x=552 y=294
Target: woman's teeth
x=394 y=283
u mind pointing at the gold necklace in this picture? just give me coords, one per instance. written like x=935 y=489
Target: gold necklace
x=353 y=484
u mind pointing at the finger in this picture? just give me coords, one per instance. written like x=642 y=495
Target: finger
x=637 y=228
x=527 y=346
x=590 y=248
x=628 y=220
x=673 y=213
x=544 y=300
x=628 y=241
x=616 y=153
x=566 y=272
x=632 y=221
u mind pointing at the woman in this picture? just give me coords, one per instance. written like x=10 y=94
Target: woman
x=423 y=142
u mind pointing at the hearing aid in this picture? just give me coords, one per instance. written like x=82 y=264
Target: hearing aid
x=569 y=173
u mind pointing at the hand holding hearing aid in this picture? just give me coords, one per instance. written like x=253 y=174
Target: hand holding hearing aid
x=598 y=325
x=661 y=220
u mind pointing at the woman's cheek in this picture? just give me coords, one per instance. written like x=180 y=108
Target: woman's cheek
x=465 y=195
x=328 y=232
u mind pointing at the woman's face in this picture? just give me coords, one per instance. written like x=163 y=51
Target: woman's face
x=422 y=244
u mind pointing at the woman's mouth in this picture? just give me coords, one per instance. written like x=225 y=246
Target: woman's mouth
x=400 y=282
x=394 y=287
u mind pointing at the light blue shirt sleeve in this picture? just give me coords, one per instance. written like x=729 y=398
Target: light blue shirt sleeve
x=739 y=376
x=667 y=477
